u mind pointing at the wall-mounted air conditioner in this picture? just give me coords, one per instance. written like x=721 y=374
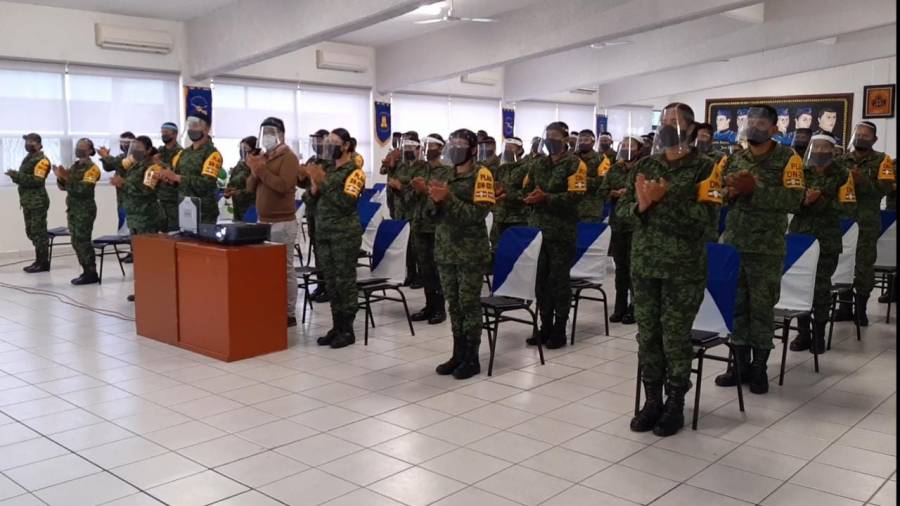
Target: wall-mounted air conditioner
x=133 y=39
x=330 y=60
x=483 y=78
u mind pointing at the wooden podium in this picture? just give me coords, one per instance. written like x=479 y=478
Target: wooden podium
x=226 y=302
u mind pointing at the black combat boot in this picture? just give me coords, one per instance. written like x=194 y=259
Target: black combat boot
x=87 y=278
x=130 y=298
x=861 y=315
x=759 y=378
x=128 y=259
x=888 y=297
x=41 y=264
x=557 y=335
x=345 y=335
x=672 y=419
x=647 y=417
x=423 y=314
x=438 y=313
x=328 y=337
x=544 y=332
x=742 y=360
x=620 y=308
x=818 y=340
x=459 y=349
x=628 y=318
x=802 y=341
x=470 y=364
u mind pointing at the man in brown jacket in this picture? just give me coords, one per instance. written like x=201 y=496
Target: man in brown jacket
x=273 y=177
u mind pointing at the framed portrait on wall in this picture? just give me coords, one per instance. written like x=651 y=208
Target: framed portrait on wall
x=878 y=101
x=829 y=113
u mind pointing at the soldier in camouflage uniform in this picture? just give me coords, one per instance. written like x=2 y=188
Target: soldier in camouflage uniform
x=764 y=183
x=422 y=227
x=460 y=205
x=165 y=192
x=241 y=199
x=388 y=166
x=81 y=210
x=338 y=235
x=196 y=168
x=398 y=182
x=606 y=142
x=117 y=164
x=487 y=154
x=829 y=188
x=510 y=210
x=139 y=187
x=590 y=210
x=669 y=205
x=554 y=187
x=320 y=294
x=874 y=176
x=615 y=186
x=704 y=142
x=34 y=201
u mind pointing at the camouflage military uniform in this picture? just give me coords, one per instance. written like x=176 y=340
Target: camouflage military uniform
x=242 y=199
x=511 y=211
x=338 y=239
x=668 y=264
x=877 y=171
x=199 y=171
x=462 y=249
x=422 y=228
x=81 y=210
x=611 y=154
x=822 y=219
x=492 y=164
x=118 y=164
x=404 y=209
x=145 y=216
x=35 y=202
x=166 y=193
x=590 y=210
x=620 y=239
x=755 y=226
x=564 y=182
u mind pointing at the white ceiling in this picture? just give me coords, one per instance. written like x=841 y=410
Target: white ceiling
x=175 y=10
x=404 y=27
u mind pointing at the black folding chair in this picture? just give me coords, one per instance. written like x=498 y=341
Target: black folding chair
x=53 y=233
x=103 y=242
x=885 y=277
x=842 y=293
x=578 y=286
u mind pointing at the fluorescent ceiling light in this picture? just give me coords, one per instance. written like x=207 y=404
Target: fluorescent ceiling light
x=431 y=9
x=611 y=43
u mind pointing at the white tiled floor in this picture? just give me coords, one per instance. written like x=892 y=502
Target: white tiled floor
x=90 y=413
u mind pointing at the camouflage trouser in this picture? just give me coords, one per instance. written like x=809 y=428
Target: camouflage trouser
x=822 y=293
x=665 y=310
x=170 y=214
x=553 y=287
x=620 y=249
x=338 y=257
x=759 y=287
x=81 y=227
x=310 y=213
x=462 y=288
x=147 y=220
x=209 y=211
x=590 y=209
x=864 y=273
x=36 y=230
x=428 y=273
x=412 y=263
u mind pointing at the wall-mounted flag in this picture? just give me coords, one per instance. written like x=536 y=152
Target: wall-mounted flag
x=197 y=98
x=383 y=122
x=602 y=124
x=509 y=122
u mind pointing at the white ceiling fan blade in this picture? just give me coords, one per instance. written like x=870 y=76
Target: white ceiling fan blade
x=480 y=20
x=429 y=21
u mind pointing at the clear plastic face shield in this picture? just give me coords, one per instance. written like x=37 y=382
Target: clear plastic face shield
x=536 y=145
x=431 y=149
x=125 y=145
x=673 y=135
x=605 y=143
x=332 y=147
x=269 y=138
x=862 y=138
x=512 y=151
x=83 y=149
x=486 y=151
x=630 y=149
x=243 y=150
x=704 y=141
x=554 y=142
x=167 y=135
x=585 y=143
x=759 y=126
x=195 y=129
x=315 y=146
x=138 y=152
x=457 y=151
x=820 y=152
x=572 y=143
x=800 y=142
x=409 y=149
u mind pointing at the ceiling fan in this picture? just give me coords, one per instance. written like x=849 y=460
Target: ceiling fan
x=450 y=17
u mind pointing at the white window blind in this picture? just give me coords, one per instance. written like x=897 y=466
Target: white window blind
x=532 y=118
x=425 y=114
x=331 y=108
x=476 y=114
x=578 y=117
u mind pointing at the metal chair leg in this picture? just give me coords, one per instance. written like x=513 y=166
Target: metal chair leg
x=785 y=329
x=534 y=328
x=406 y=310
x=700 y=355
x=577 y=298
x=102 y=256
x=119 y=258
x=494 y=347
x=834 y=298
x=368 y=314
x=605 y=312
x=637 y=391
x=737 y=372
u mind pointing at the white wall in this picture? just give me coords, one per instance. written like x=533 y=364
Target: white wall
x=844 y=79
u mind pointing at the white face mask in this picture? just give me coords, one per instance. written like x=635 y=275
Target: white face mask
x=269 y=142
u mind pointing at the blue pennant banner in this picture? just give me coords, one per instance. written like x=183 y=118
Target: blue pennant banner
x=383 y=122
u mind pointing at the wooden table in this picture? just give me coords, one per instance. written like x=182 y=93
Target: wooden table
x=225 y=302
